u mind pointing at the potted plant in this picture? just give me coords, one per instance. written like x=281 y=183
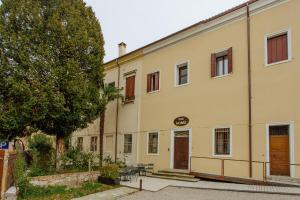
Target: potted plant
x=109 y=174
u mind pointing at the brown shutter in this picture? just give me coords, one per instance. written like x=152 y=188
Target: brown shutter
x=156 y=81
x=213 y=65
x=148 y=82
x=277 y=48
x=229 y=54
x=129 y=93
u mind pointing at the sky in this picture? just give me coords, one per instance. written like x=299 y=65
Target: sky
x=140 y=22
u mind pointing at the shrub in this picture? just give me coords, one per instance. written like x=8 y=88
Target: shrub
x=110 y=171
x=21 y=179
x=42 y=152
x=74 y=159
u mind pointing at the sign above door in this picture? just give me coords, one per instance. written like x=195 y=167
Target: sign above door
x=181 y=121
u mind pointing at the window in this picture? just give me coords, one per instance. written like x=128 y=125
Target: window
x=130 y=85
x=93 y=145
x=277 y=48
x=153 y=82
x=109 y=143
x=112 y=84
x=182 y=74
x=127 y=143
x=80 y=143
x=221 y=63
x=222 y=141
x=153 y=143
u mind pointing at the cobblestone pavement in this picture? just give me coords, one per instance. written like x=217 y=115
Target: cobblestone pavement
x=177 y=193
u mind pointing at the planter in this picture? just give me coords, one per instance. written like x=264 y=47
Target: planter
x=108 y=181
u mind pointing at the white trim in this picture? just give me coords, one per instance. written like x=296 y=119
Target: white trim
x=187 y=62
x=153 y=154
x=159 y=82
x=172 y=145
x=291 y=145
x=289 y=41
x=230 y=140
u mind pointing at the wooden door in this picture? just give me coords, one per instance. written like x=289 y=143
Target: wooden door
x=181 y=153
x=279 y=155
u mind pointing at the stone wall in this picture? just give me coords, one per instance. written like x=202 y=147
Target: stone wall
x=68 y=179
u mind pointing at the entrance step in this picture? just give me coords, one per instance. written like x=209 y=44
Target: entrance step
x=284 y=180
x=180 y=175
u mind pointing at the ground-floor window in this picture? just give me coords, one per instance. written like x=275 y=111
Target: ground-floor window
x=153 y=143
x=80 y=143
x=93 y=144
x=128 y=143
x=222 y=141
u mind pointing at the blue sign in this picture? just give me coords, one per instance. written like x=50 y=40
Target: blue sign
x=4 y=145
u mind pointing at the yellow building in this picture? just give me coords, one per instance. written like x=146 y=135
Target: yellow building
x=219 y=98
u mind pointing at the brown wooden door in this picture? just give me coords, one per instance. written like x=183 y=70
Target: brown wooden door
x=279 y=155
x=181 y=152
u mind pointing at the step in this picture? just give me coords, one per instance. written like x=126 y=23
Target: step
x=171 y=174
x=174 y=178
x=174 y=171
x=284 y=181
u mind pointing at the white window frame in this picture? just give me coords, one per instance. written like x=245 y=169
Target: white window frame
x=289 y=41
x=131 y=143
x=158 y=135
x=213 y=142
x=291 y=143
x=176 y=80
x=159 y=81
x=96 y=143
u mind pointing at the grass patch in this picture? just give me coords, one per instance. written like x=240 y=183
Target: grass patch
x=64 y=193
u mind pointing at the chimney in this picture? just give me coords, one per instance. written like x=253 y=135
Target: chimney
x=122 y=49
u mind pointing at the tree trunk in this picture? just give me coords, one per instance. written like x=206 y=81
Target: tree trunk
x=60 y=148
x=102 y=119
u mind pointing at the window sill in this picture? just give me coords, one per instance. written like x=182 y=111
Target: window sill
x=278 y=63
x=182 y=85
x=152 y=92
x=222 y=156
x=152 y=154
x=128 y=101
x=222 y=76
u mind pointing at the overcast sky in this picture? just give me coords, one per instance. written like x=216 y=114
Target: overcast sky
x=139 y=22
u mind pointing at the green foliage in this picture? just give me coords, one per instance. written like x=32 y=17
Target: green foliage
x=42 y=152
x=62 y=192
x=74 y=159
x=110 y=171
x=51 y=54
x=21 y=179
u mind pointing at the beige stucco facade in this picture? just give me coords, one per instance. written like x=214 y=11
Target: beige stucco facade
x=211 y=103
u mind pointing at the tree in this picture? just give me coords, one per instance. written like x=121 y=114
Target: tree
x=55 y=49
x=108 y=93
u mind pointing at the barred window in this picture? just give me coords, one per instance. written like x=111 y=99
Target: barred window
x=80 y=143
x=93 y=144
x=127 y=143
x=153 y=143
x=222 y=141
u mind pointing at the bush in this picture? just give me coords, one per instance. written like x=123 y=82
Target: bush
x=74 y=159
x=42 y=152
x=110 y=171
x=21 y=179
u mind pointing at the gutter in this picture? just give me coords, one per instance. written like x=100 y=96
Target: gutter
x=249 y=91
x=117 y=113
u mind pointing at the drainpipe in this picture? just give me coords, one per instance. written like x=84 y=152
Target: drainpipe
x=249 y=91
x=117 y=113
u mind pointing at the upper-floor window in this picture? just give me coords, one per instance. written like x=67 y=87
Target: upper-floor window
x=221 y=63
x=80 y=143
x=130 y=87
x=222 y=139
x=128 y=143
x=93 y=144
x=278 y=47
x=182 y=74
x=153 y=82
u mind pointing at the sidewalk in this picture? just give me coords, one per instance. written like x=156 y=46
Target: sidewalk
x=109 y=194
x=155 y=184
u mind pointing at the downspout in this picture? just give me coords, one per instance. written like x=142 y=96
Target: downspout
x=117 y=113
x=249 y=91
